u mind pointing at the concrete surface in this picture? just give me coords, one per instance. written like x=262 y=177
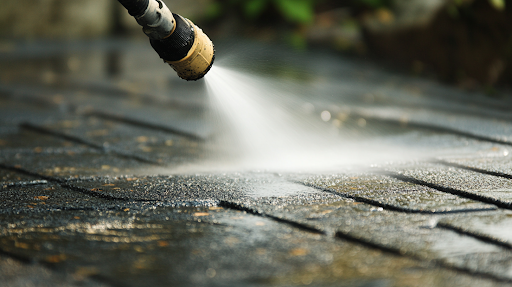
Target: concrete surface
x=110 y=175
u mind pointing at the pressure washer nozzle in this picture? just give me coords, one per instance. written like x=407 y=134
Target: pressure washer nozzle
x=188 y=50
x=177 y=40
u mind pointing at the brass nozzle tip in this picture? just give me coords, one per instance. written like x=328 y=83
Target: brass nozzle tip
x=199 y=59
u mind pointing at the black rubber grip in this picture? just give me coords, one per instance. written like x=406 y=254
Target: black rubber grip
x=135 y=7
x=176 y=46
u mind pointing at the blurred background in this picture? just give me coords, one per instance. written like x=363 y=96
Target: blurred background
x=467 y=43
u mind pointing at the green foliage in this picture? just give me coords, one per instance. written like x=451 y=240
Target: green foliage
x=254 y=8
x=214 y=10
x=498 y=4
x=297 y=40
x=296 y=11
x=293 y=11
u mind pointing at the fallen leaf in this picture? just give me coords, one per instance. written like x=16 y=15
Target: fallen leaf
x=55 y=258
x=298 y=252
x=162 y=243
x=142 y=139
x=21 y=245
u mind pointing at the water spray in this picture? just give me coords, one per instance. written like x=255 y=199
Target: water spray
x=178 y=41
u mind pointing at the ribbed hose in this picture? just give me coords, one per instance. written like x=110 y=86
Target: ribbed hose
x=178 y=44
x=135 y=7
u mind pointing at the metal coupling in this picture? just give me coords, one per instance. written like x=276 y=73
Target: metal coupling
x=157 y=21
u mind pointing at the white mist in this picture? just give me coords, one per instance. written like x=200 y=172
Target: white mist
x=265 y=128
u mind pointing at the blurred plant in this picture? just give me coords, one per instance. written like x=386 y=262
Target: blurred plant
x=300 y=12
x=295 y=16
x=498 y=4
x=375 y=4
x=455 y=6
x=294 y=11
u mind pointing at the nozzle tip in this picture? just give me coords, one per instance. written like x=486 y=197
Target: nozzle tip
x=199 y=59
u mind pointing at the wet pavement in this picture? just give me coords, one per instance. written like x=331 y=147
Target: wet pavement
x=113 y=173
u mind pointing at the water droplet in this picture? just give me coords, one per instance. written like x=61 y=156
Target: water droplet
x=326 y=116
x=210 y=272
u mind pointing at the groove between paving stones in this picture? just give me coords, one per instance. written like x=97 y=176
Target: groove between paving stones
x=75 y=139
x=139 y=123
x=114 y=92
x=65 y=184
x=367 y=243
x=471 y=272
x=477 y=235
x=432 y=127
x=461 y=193
x=474 y=169
x=17 y=257
x=106 y=280
x=394 y=207
x=23 y=183
x=27 y=98
x=65 y=208
x=301 y=226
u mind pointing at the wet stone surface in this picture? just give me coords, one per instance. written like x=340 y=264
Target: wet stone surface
x=490 y=188
x=16 y=273
x=112 y=175
x=209 y=246
x=46 y=198
x=491 y=227
x=390 y=192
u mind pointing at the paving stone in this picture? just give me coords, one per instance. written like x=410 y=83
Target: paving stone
x=498 y=164
x=73 y=164
x=46 y=197
x=10 y=178
x=212 y=187
x=157 y=146
x=395 y=194
x=492 y=228
x=493 y=129
x=490 y=188
x=26 y=141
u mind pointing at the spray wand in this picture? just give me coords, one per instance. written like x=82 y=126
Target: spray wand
x=177 y=40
